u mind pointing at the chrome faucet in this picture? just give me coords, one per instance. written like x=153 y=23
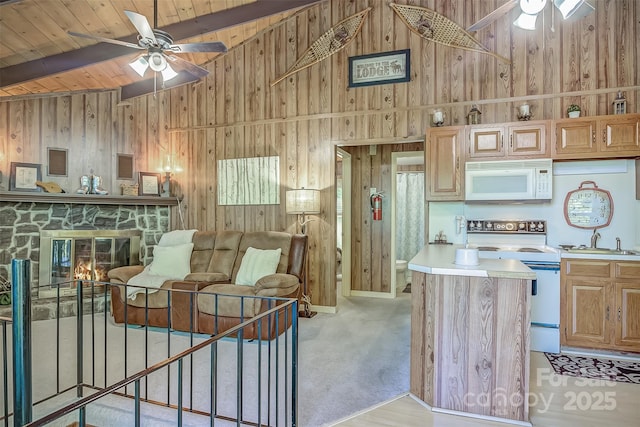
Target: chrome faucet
x=618 y=248
x=594 y=238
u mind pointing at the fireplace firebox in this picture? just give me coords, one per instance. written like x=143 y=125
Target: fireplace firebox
x=70 y=255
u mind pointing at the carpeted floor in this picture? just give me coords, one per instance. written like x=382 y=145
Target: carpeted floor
x=595 y=368
x=348 y=362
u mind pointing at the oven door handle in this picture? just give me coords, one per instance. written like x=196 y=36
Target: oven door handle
x=534 y=287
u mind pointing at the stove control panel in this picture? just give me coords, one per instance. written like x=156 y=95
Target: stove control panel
x=501 y=226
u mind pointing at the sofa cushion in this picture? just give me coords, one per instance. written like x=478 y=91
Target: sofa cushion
x=173 y=262
x=207 y=277
x=256 y=264
x=213 y=301
x=264 y=240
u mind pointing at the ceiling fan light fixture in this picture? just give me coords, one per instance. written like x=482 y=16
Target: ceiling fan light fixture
x=140 y=65
x=574 y=8
x=157 y=62
x=168 y=73
x=526 y=21
x=531 y=7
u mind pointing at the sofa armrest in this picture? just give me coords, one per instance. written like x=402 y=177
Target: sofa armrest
x=123 y=274
x=277 y=280
x=184 y=310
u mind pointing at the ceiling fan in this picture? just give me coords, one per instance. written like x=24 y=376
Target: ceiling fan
x=159 y=48
x=574 y=9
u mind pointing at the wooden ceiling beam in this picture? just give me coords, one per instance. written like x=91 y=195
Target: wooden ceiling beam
x=200 y=25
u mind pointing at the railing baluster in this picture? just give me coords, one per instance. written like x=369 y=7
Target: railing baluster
x=79 y=340
x=22 y=380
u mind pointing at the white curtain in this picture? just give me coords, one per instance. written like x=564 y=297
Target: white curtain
x=409 y=214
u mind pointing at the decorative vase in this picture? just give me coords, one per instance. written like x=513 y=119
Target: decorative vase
x=574 y=114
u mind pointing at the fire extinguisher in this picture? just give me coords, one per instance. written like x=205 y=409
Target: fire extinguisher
x=376 y=206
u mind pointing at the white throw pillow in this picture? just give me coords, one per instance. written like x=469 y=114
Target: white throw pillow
x=257 y=263
x=172 y=261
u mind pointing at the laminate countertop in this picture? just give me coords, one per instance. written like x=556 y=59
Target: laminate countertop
x=439 y=259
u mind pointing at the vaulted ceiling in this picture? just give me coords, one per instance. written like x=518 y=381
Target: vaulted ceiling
x=38 y=56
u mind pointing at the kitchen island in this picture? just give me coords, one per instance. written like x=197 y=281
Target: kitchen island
x=470 y=335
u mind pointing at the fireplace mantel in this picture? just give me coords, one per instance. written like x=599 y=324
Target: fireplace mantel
x=85 y=199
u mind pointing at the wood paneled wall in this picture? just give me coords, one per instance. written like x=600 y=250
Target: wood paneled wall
x=371 y=240
x=235 y=112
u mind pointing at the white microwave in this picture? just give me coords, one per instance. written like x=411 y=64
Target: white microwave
x=513 y=180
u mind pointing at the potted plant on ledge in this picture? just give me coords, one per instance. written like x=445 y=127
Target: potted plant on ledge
x=573 y=111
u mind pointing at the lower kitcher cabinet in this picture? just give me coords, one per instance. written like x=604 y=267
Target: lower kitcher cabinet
x=600 y=304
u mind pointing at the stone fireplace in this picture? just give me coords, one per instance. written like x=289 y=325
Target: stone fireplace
x=23 y=223
x=68 y=255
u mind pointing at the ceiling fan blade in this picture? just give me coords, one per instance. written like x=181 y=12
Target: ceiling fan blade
x=498 y=13
x=194 y=69
x=102 y=39
x=199 y=47
x=142 y=25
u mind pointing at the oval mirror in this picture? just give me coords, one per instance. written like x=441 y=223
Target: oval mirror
x=588 y=207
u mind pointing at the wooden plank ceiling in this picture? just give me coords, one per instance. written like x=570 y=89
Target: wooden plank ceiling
x=37 y=56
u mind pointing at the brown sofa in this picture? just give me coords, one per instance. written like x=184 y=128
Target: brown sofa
x=215 y=261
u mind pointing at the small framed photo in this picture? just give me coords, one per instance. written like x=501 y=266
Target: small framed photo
x=149 y=184
x=57 y=162
x=125 y=166
x=380 y=68
x=24 y=176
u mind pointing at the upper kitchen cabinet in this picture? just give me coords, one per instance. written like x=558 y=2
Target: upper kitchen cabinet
x=597 y=137
x=508 y=141
x=444 y=157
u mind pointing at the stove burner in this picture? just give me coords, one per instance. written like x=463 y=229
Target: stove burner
x=487 y=248
x=529 y=250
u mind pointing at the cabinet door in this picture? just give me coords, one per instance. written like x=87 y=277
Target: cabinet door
x=528 y=141
x=620 y=135
x=485 y=142
x=575 y=139
x=628 y=314
x=588 y=312
x=445 y=178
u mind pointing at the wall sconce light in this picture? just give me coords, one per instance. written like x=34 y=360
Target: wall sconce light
x=473 y=118
x=619 y=104
x=302 y=202
x=169 y=167
x=438 y=117
x=524 y=112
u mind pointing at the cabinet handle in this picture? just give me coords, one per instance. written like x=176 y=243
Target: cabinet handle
x=501 y=141
x=457 y=162
x=607 y=313
x=619 y=314
x=593 y=136
x=511 y=140
x=604 y=136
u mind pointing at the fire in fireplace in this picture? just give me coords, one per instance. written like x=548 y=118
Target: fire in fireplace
x=70 y=255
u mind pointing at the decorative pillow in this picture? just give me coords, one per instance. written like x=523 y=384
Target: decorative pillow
x=257 y=263
x=172 y=261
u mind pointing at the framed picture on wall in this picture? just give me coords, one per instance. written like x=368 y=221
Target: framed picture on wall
x=57 y=165
x=380 y=68
x=24 y=176
x=149 y=184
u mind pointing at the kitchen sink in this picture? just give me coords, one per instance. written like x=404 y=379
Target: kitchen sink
x=603 y=251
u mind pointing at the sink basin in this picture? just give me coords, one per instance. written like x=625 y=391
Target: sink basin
x=603 y=251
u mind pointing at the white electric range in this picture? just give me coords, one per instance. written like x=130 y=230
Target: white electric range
x=526 y=241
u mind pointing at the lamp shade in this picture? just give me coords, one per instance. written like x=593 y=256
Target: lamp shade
x=302 y=201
